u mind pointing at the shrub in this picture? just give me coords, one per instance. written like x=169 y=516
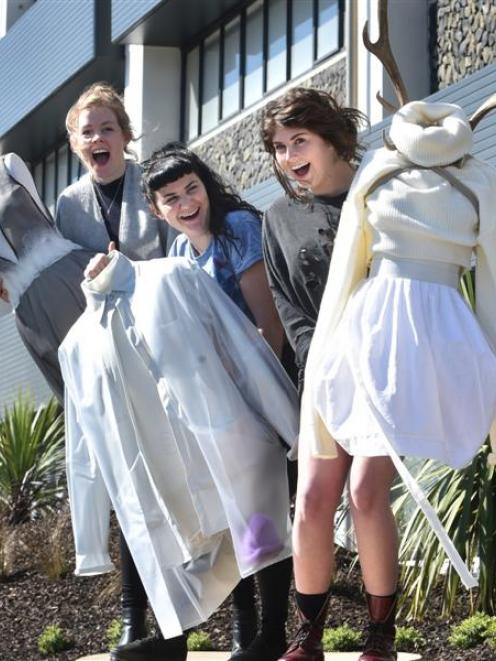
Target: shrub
x=341 y=639
x=491 y=635
x=113 y=633
x=471 y=631
x=199 y=641
x=55 y=556
x=408 y=639
x=53 y=640
x=8 y=545
x=32 y=471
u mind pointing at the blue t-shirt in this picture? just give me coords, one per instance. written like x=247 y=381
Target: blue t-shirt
x=227 y=257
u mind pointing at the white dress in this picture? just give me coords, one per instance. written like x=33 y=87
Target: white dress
x=408 y=360
x=399 y=365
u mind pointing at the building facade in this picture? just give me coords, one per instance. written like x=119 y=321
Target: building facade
x=201 y=71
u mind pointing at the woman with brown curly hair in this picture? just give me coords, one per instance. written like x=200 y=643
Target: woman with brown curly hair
x=313 y=142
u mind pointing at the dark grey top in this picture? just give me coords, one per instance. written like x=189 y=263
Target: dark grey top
x=297 y=241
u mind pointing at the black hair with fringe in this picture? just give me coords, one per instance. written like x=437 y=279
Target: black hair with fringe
x=173 y=161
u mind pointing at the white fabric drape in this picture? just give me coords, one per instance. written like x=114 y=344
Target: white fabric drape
x=174 y=403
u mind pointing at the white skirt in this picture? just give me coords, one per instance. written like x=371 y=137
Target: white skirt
x=408 y=361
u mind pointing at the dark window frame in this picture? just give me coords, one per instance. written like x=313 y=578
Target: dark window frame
x=241 y=12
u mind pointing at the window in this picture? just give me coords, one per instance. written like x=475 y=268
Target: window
x=192 y=92
x=253 y=53
x=231 y=83
x=59 y=168
x=210 y=92
x=277 y=43
x=327 y=27
x=302 y=37
x=254 y=60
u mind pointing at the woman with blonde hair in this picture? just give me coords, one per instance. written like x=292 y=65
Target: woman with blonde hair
x=107 y=206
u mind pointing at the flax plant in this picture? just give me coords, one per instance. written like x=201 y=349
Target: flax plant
x=465 y=501
x=31 y=460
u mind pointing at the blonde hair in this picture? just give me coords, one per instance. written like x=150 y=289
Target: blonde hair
x=102 y=95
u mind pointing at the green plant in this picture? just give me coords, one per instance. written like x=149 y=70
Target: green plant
x=113 y=633
x=471 y=631
x=32 y=475
x=465 y=501
x=491 y=635
x=341 y=639
x=408 y=639
x=199 y=641
x=53 y=640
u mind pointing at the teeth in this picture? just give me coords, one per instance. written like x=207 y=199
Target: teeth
x=190 y=215
x=298 y=167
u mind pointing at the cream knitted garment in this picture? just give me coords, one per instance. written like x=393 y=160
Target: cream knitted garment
x=415 y=215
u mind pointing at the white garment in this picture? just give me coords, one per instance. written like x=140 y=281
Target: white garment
x=172 y=402
x=379 y=343
x=416 y=216
x=414 y=352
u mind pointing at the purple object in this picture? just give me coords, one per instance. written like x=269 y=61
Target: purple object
x=260 y=538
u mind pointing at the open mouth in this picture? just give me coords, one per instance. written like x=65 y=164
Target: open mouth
x=187 y=217
x=301 y=170
x=101 y=156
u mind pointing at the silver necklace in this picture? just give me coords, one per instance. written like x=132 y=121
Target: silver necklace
x=100 y=197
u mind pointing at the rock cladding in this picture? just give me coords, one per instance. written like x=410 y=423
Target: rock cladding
x=466 y=38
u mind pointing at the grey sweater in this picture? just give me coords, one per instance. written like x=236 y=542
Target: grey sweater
x=297 y=242
x=141 y=235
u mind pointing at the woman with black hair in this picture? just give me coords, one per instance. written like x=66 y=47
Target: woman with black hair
x=218 y=230
x=223 y=235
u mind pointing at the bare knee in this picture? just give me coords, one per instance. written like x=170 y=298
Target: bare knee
x=368 y=496
x=315 y=505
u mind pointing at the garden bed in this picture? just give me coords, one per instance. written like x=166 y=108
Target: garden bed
x=85 y=607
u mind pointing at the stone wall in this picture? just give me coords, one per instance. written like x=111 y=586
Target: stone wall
x=464 y=38
x=237 y=153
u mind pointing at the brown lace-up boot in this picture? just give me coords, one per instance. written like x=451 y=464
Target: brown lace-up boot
x=307 y=644
x=379 y=645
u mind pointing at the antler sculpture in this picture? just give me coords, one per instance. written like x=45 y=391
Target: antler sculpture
x=488 y=105
x=382 y=50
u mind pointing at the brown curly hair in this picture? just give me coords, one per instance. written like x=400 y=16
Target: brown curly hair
x=103 y=95
x=318 y=112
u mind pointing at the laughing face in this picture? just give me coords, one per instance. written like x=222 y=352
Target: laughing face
x=99 y=142
x=307 y=159
x=184 y=204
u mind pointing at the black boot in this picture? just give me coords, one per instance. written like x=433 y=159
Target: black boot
x=244 y=630
x=244 y=619
x=153 y=649
x=133 y=626
x=270 y=643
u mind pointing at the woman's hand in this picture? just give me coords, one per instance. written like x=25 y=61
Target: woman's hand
x=4 y=294
x=98 y=263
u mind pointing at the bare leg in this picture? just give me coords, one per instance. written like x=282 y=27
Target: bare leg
x=375 y=527
x=320 y=485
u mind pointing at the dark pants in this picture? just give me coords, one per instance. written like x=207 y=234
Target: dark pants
x=133 y=592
